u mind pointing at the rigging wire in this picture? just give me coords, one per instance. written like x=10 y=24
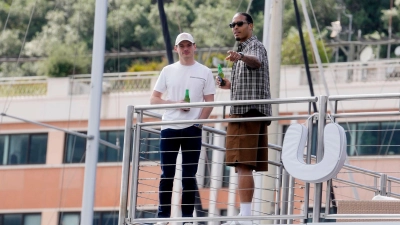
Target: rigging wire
x=8 y=102
x=8 y=16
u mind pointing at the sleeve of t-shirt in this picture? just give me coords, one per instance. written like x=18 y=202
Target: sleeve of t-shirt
x=161 y=84
x=209 y=88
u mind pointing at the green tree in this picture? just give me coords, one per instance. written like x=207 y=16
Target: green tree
x=292 y=53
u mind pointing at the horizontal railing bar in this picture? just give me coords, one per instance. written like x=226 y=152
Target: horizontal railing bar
x=363 y=216
x=213 y=146
x=217 y=218
x=363 y=97
x=206 y=128
x=152 y=114
x=391 y=194
x=358 y=169
x=227 y=103
x=264 y=118
x=366 y=114
x=154 y=131
x=355 y=184
x=395 y=179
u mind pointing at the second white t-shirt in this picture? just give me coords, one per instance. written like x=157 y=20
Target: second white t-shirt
x=174 y=79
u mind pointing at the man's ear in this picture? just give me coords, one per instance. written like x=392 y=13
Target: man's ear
x=176 y=50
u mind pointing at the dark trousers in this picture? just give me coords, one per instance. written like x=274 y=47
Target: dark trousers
x=189 y=140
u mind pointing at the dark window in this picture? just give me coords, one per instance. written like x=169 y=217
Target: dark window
x=20 y=219
x=146 y=214
x=99 y=218
x=70 y=218
x=75 y=147
x=107 y=154
x=18 y=149
x=149 y=146
x=372 y=138
x=226 y=176
x=105 y=218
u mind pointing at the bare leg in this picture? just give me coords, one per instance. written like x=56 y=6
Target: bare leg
x=246 y=183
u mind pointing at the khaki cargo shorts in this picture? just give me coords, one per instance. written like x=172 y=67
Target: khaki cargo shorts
x=247 y=143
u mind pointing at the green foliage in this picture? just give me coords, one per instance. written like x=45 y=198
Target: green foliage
x=323 y=10
x=147 y=66
x=208 y=59
x=366 y=14
x=62 y=30
x=65 y=60
x=292 y=53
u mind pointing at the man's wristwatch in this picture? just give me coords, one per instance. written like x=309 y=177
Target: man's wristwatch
x=241 y=55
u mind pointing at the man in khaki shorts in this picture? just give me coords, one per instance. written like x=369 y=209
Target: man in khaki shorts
x=247 y=142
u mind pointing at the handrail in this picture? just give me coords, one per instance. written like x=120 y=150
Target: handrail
x=146 y=126
x=363 y=97
x=227 y=103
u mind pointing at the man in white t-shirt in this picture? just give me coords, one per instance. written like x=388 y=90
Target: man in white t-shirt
x=173 y=81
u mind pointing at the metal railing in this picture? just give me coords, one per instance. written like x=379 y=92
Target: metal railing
x=285 y=186
x=141 y=125
x=23 y=86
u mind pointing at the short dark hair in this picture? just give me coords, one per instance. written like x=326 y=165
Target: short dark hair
x=249 y=19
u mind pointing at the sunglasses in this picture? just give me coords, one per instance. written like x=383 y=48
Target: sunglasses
x=240 y=23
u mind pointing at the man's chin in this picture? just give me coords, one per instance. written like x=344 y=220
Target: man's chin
x=237 y=38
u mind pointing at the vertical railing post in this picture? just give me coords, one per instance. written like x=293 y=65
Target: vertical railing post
x=383 y=184
x=308 y=161
x=278 y=187
x=285 y=195
x=292 y=185
x=135 y=167
x=328 y=196
x=389 y=188
x=319 y=154
x=125 y=165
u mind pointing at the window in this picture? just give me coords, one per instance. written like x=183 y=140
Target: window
x=16 y=149
x=75 y=147
x=20 y=219
x=149 y=146
x=226 y=176
x=107 y=154
x=146 y=213
x=372 y=138
x=99 y=218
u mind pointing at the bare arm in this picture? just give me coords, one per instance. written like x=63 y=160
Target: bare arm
x=205 y=113
x=156 y=99
x=250 y=60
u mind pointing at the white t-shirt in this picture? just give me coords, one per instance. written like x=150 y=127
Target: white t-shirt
x=174 y=79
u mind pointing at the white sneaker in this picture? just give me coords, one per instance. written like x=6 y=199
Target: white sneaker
x=161 y=223
x=239 y=222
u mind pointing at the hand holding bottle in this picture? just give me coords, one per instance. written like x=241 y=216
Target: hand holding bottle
x=186 y=100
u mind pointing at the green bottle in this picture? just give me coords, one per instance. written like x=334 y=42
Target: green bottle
x=221 y=75
x=187 y=98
